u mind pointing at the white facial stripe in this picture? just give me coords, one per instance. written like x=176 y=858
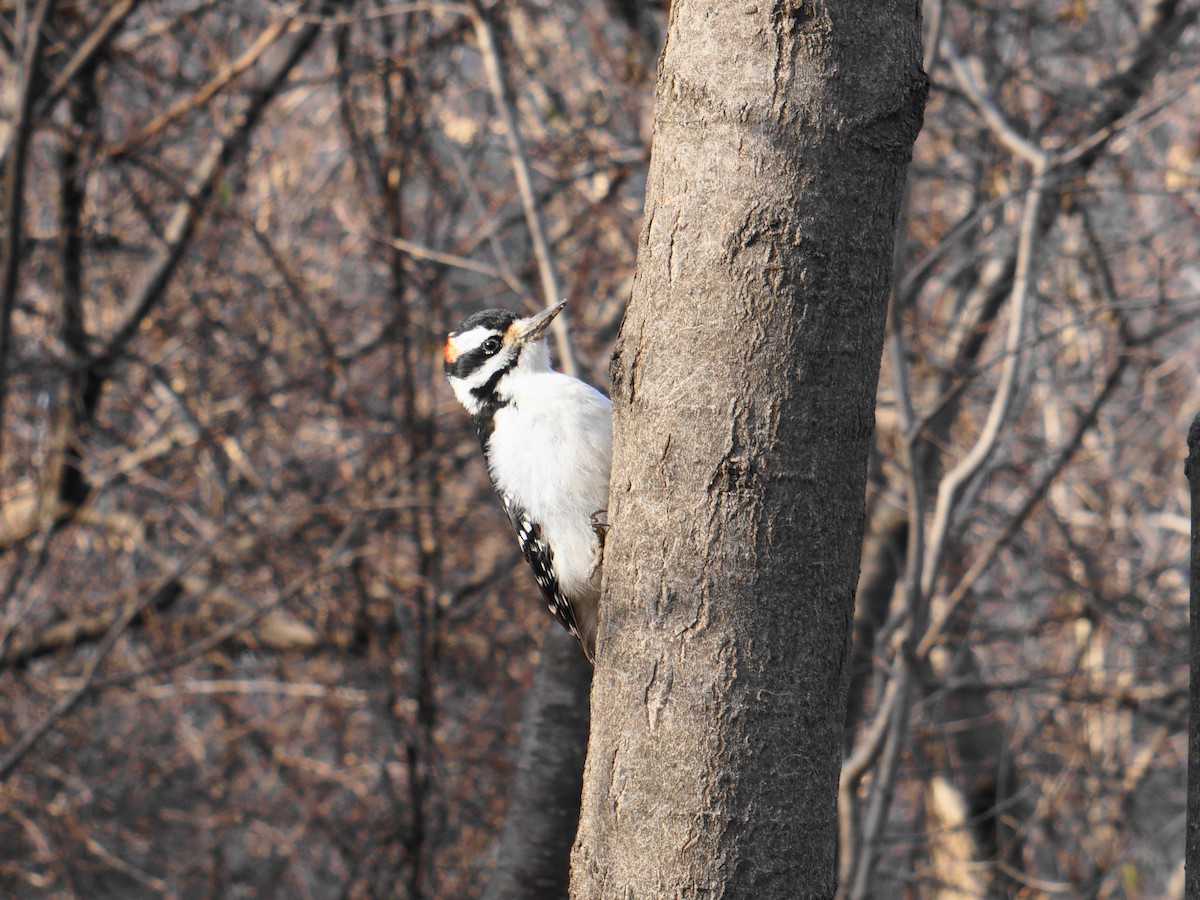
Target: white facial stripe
x=478 y=378
x=469 y=340
x=486 y=368
x=489 y=368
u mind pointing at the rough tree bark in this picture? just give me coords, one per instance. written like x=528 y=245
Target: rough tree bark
x=743 y=389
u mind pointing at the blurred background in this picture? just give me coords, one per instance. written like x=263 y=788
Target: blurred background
x=264 y=630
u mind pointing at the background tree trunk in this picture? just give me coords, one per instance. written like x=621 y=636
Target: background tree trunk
x=263 y=626
x=743 y=384
x=533 y=857
x=1192 y=865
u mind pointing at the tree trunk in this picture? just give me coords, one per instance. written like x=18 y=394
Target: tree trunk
x=534 y=854
x=743 y=395
x=1192 y=854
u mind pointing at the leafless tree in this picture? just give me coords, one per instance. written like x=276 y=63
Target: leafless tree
x=744 y=380
x=262 y=624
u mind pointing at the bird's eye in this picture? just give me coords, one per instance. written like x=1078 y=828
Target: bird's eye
x=491 y=345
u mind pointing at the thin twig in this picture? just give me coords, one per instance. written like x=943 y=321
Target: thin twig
x=241 y=687
x=884 y=785
x=136 y=605
x=206 y=92
x=335 y=557
x=955 y=482
x=490 y=228
x=115 y=862
x=869 y=745
x=14 y=192
x=922 y=570
x=417 y=251
x=934 y=16
x=983 y=558
x=985 y=103
x=19 y=590
x=398 y=9
x=551 y=294
x=87 y=51
x=186 y=216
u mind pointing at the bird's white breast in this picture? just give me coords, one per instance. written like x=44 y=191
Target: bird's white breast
x=550 y=450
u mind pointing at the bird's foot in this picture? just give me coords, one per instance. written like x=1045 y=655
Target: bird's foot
x=599 y=520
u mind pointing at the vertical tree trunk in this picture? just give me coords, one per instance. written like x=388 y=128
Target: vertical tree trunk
x=743 y=386
x=533 y=857
x=1192 y=851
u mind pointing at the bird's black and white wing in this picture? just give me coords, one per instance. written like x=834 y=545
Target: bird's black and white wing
x=540 y=556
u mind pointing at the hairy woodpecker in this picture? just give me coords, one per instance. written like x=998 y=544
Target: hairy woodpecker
x=547 y=440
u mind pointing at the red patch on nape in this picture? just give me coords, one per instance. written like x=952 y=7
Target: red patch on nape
x=450 y=352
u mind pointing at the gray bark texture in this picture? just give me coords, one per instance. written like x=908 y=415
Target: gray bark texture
x=744 y=384
x=1192 y=849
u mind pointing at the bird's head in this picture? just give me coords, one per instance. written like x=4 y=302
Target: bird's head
x=491 y=344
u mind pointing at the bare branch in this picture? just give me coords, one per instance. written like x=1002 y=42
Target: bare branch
x=951 y=489
x=551 y=294
x=1019 y=145
x=983 y=557
x=14 y=192
x=241 y=686
x=187 y=213
x=283 y=23
x=136 y=604
x=88 y=50
x=440 y=257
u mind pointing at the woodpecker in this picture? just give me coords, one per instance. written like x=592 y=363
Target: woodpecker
x=547 y=441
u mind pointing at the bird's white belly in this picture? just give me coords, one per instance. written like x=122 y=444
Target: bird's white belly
x=553 y=460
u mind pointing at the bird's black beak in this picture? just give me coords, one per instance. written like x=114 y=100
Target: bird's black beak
x=535 y=326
